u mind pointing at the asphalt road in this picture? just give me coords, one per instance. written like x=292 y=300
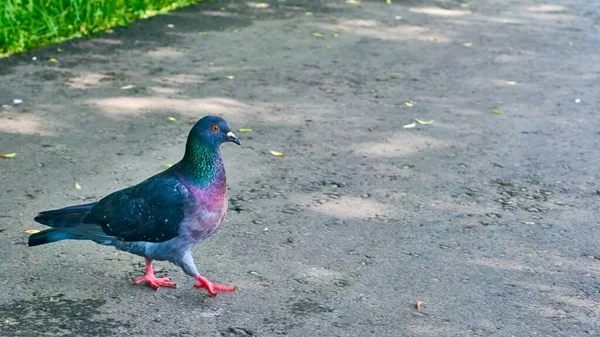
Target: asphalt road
x=490 y=220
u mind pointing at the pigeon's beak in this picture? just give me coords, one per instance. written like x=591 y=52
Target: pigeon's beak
x=233 y=138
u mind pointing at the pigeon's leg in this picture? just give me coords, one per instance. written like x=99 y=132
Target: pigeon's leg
x=188 y=266
x=152 y=280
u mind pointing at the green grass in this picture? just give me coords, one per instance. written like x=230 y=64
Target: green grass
x=28 y=24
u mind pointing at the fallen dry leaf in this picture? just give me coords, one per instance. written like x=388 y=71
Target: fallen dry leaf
x=410 y=126
x=353 y=2
x=419 y=304
x=168 y=165
x=245 y=130
x=53 y=60
x=511 y=82
x=211 y=64
x=229 y=77
x=32 y=231
x=127 y=87
x=432 y=39
x=528 y=223
x=172 y=119
x=389 y=2
x=77 y=186
x=370 y=129
x=335 y=34
x=497 y=111
x=409 y=104
x=170 y=25
x=8 y=155
x=261 y=5
x=424 y=122
x=317 y=35
x=308 y=13
x=277 y=154
x=468 y=44
x=202 y=33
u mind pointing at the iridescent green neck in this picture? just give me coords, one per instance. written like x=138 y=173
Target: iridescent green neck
x=201 y=164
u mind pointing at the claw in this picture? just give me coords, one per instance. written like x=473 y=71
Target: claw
x=153 y=281
x=213 y=288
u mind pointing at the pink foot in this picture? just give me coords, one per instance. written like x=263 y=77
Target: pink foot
x=156 y=282
x=152 y=281
x=213 y=288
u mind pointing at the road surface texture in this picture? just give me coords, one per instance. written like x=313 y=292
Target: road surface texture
x=490 y=220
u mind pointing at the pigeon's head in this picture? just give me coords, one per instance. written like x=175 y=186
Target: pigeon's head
x=212 y=131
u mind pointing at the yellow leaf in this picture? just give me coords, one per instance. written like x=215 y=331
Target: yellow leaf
x=468 y=44
x=419 y=304
x=511 y=82
x=52 y=60
x=168 y=165
x=170 y=25
x=277 y=154
x=497 y=112
x=424 y=122
x=127 y=87
x=370 y=129
x=528 y=223
x=211 y=64
x=77 y=186
x=410 y=126
x=8 y=155
x=394 y=74
x=32 y=231
x=389 y=2
x=409 y=104
x=317 y=35
x=308 y=13
x=229 y=77
x=245 y=130
x=172 y=119
x=261 y=5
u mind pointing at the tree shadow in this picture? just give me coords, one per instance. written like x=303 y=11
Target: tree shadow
x=361 y=212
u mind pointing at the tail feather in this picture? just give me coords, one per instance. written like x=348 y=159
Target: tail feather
x=64 y=216
x=51 y=235
x=67 y=223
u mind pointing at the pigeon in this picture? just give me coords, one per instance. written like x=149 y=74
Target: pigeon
x=161 y=218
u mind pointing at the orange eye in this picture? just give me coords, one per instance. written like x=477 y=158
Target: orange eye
x=215 y=127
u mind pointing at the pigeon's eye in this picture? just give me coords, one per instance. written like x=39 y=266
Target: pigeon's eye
x=215 y=127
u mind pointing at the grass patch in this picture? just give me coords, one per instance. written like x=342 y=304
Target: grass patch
x=28 y=24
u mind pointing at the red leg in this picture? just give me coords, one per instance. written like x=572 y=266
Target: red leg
x=152 y=280
x=212 y=287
